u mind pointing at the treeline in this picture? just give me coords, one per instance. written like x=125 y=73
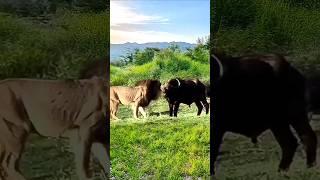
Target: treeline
x=163 y=64
x=45 y=7
x=57 y=49
x=288 y=27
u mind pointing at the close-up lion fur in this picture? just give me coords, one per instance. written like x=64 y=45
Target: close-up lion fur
x=138 y=97
x=76 y=109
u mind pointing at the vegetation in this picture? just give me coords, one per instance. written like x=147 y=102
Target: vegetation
x=54 y=49
x=50 y=40
x=159 y=146
x=288 y=27
x=163 y=64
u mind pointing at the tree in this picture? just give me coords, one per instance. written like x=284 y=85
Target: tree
x=145 y=56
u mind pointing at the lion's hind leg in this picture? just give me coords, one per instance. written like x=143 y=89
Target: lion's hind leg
x=114 y=105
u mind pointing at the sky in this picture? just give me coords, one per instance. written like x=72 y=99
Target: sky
x=144 y=21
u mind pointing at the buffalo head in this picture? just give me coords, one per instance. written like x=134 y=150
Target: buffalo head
x=170 y=85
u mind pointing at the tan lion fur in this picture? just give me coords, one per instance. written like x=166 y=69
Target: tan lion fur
x=137 y=97
x=52 y=108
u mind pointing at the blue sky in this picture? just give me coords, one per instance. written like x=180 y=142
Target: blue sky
x=159 y=20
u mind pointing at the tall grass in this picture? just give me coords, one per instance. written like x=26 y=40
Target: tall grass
x=164 y=66
x=55 y=50
x=269 y=26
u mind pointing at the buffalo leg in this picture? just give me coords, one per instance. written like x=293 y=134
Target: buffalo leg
x=175 y=109
x=288 y=144
x=206 y=105
x=171 y=109
x=308 y=138
x=310 y=114
x=199 y=106
x=216 y=143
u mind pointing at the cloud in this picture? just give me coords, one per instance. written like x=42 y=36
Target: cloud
x=122 y=14
x=119 y=37
x=130 y=25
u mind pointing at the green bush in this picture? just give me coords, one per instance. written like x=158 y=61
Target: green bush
x=56 y=50
x=280 y=26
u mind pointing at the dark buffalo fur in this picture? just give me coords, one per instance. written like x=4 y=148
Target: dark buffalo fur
x=208 y=90
x=188 y=92
x=256 y=93
x=313 y=95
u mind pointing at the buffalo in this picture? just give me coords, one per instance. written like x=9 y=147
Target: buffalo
x=255 y=93
x=178 y=91
x=313 y=95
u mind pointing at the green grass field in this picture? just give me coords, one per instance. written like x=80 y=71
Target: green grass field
x=50 y=159
x=160 y=147
x=241 y=160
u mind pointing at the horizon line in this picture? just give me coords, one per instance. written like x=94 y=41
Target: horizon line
x=154 y=42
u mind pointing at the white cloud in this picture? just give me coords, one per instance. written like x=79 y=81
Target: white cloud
x=121 y=14
x=124 y=19
x=119 y=37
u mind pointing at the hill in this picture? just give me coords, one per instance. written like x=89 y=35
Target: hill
x=116 y=50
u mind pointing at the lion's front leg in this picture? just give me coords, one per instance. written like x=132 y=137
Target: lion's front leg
x=100 y=151
x=142 y=111
x=81 y=147
x=135 y=110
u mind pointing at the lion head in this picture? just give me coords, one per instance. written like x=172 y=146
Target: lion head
x=153 y=90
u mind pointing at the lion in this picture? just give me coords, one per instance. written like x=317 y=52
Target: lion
x=138 y=97
x=76 y=109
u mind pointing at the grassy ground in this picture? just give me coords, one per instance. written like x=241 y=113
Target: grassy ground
x=50 y=159
x=240 y=159
x=160 y=146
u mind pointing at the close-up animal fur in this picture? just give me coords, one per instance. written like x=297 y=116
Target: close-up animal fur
x=76 y=109
x=138 y=97
x=254 y=93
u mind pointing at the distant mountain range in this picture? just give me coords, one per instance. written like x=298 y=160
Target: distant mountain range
x=116 y=50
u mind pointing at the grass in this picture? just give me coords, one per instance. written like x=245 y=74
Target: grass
x=240 y=159
x=50 y=158
x=160 y=147
x=159 y=69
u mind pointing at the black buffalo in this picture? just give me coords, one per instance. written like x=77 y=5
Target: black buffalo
x=177 y=91
x=254 y=93
x=313 y=95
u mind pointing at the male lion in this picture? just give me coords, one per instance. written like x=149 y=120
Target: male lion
x=137 y=97
x=53 y=108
